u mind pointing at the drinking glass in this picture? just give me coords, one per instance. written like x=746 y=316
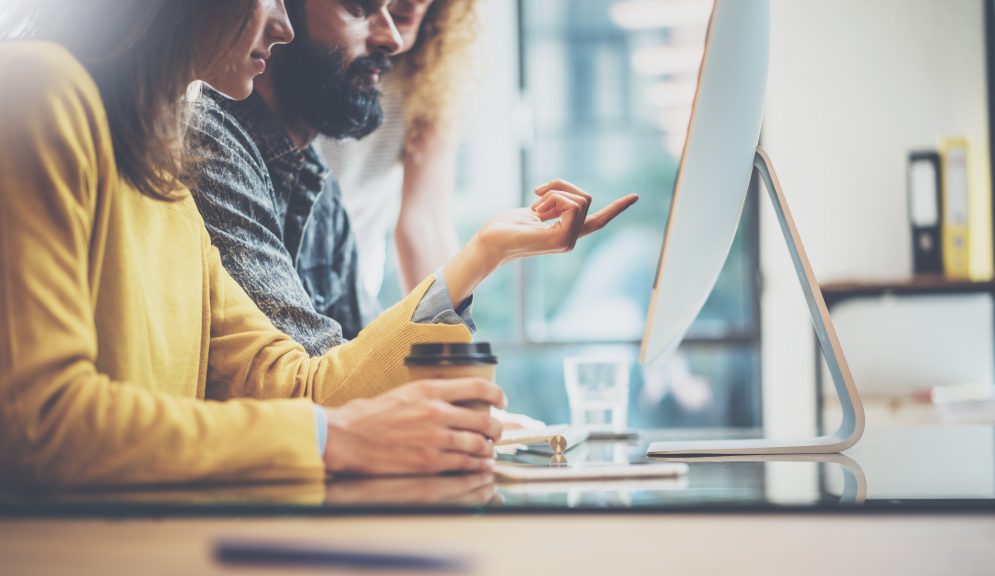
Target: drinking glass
x=598 y=391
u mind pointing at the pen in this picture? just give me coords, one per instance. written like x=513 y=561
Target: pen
x=271 y=552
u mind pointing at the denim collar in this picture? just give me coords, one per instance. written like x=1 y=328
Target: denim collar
x=272 y=140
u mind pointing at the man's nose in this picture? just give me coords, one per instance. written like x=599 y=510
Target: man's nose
x=384 y=36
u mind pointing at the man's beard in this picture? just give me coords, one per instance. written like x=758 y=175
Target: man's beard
x=317 y=88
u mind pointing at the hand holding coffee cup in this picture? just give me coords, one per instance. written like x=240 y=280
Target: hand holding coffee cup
x=417 y=428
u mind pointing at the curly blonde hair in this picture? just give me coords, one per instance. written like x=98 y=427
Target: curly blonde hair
x=436 y=75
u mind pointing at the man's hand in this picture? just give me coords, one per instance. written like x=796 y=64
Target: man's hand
x=415 y=429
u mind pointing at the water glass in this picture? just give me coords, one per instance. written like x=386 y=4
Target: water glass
x=598 y=390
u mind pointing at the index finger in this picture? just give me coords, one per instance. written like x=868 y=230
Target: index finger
x=602 y=217
x=467 y=389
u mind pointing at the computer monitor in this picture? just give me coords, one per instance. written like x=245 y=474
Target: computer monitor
x=719 y=158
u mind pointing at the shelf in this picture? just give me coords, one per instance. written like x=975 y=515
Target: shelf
x=836 y=292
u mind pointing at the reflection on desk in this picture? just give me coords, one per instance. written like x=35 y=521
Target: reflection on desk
x=895 y=469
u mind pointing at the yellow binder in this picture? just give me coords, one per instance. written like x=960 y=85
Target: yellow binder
x=956 y=209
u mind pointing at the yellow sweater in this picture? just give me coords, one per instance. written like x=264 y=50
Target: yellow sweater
x=127 y=353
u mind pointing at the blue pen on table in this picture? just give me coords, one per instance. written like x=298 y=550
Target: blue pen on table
x=247 y=551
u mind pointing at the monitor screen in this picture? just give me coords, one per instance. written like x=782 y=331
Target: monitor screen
x=715 y=171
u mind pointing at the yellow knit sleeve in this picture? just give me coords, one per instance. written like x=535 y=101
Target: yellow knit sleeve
x=251 y=358
x=62 y=421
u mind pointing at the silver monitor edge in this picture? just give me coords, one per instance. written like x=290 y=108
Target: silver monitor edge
x=714 y=173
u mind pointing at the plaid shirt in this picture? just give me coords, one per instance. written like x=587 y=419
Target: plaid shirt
x=276 y=216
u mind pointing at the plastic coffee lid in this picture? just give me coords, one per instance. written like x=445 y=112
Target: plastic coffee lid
x=455 y=354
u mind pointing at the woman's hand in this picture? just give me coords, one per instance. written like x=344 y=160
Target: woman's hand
x=528 y=232
x=525 y=232
x=416 y=429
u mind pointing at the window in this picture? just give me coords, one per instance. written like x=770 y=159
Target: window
x=599 y=92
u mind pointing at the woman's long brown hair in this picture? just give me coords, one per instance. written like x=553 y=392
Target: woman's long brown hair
x=143 y=55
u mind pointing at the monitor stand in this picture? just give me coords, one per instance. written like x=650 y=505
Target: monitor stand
x=852 y=426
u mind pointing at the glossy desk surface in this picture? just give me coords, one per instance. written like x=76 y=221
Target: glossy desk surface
x=914 y=470
x=904 y=501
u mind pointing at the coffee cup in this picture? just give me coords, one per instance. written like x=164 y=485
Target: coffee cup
x=453 y=360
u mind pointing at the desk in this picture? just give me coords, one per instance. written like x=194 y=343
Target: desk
x=902 y=501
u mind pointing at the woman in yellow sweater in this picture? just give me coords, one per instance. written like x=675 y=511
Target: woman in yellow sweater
x=127 y=353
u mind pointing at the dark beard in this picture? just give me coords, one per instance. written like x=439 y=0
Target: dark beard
x=315 y=87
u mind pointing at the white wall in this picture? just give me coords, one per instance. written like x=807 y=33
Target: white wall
x=854 y=86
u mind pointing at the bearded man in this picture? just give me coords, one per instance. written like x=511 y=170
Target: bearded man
x=272 y=207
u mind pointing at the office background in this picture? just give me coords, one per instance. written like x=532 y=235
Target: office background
x=854 y=86
x=598 y=91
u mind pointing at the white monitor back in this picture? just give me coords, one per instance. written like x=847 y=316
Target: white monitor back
x=714 y=173
x=719 y=158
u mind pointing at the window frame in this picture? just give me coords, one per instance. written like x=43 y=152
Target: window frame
x=751 y=216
